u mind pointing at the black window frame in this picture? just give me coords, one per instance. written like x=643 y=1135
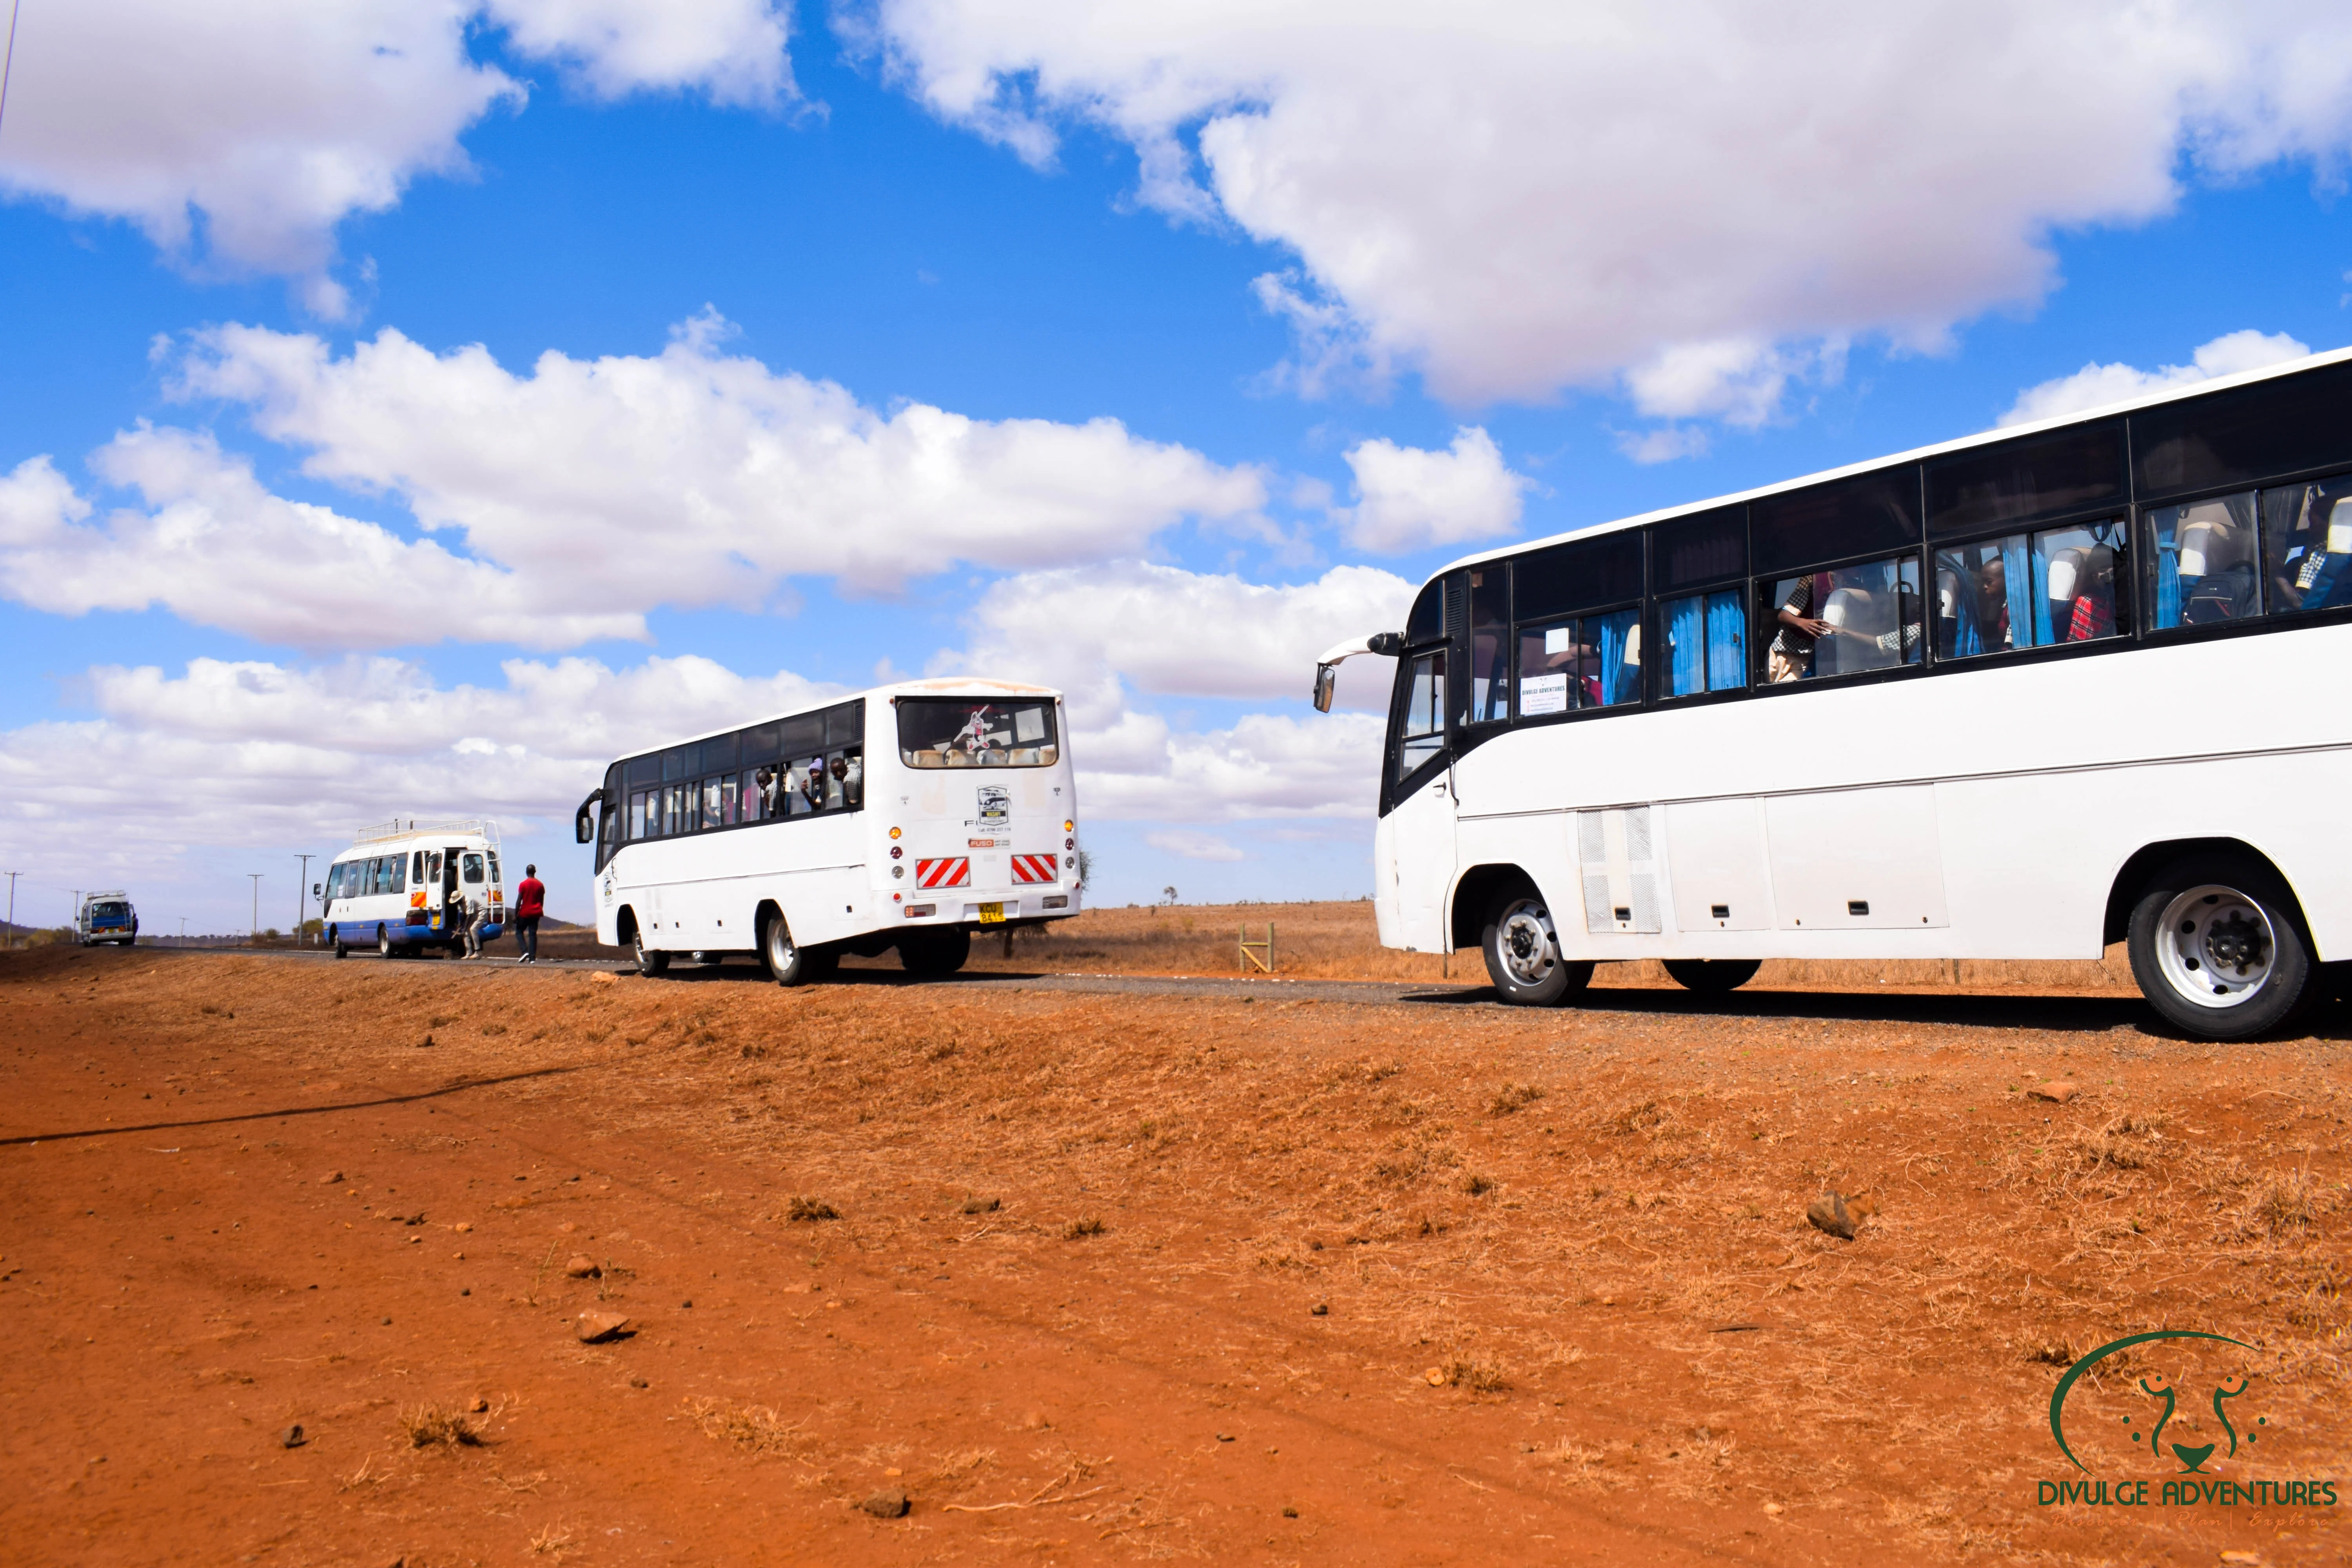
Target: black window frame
x=752 y=747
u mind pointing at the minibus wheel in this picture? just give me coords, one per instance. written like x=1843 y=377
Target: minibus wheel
x=1523 y=955
x=384 y=948
x=1713 y=976
x=336 y=937
x=2217 y=947
x=650 y=963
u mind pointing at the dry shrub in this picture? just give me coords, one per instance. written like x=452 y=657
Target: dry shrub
x=1078 y=1229
x=1474 y=1374
x=1477 y=1186
x=1647 y=1116
x=811 y=1210
x=1513 y=1097
x=2283 y=1201
x=755 y=1428
x=982 y=1205
x=438 y=1425
x=552 y=1541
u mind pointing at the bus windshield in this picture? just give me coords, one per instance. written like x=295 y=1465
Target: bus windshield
x=960 y=732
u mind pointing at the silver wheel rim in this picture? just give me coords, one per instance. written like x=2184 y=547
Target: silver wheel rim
x=781 y=952
x=1525 y=942
x=2215 y=947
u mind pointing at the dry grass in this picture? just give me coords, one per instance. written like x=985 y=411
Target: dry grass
x=1079 y=1229
x=810 y=1209
x=434 y=1425
x=754 y=1428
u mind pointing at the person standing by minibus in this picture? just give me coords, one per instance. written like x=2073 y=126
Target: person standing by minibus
x=530 y=902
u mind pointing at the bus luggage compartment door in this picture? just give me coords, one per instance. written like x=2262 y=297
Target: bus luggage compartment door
x=1616 y=858
x=1857 y=859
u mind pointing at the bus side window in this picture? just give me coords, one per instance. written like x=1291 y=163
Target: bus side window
x=1706 y=642
x=400 y=871
x=1423 y=732
x=2204 y=555
x=2307 y=545
x=472 y=863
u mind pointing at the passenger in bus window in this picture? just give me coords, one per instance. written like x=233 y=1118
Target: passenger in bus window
x=848 y=770
x=1789 y=656
x=713 y=814
x=2307 y=545
x=729 y=803
x=760 y=794
x=809 y=794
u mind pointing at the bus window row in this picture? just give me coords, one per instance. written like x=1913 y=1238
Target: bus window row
x=393 y=873
x=773 y=792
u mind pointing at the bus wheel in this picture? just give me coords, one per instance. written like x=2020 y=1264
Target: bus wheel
x=384 y=948
x=1523 y=955
x=788 y=962
x=650 y=963
x=336 y=937
x=1713 y=976
x=2217 y=949
x=938 y=951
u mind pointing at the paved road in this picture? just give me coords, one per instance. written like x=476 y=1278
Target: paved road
x=2087 y=1014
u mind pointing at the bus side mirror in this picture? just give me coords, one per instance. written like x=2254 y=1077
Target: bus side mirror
x=584 y=825
x=316 y=889
x=1327 y=675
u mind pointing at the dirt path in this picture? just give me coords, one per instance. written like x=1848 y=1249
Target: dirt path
x=1588 y=1226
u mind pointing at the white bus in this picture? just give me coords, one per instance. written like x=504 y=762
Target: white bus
x=2019 y=695
x=401 y=886
x=796 y=840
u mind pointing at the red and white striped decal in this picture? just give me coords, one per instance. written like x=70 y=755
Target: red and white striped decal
x=950 y=873
x=1033 y=868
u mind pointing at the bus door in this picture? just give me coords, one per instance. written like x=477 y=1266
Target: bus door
x=1420 y=819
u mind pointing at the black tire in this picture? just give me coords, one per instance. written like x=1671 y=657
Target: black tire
x=1713 y=976
x=787 y=961
x=2218 y=947
x=942 y=950
x=335 y=938
x=651 y=962
x=384 y=948
x=1523 y=959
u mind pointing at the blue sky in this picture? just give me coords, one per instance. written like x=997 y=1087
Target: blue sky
x=278 y=558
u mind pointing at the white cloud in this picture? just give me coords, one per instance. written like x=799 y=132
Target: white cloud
x=2098 y=385
x=1193 y=845
x=216 y=549
x=732 y=50
x=1519 y=196
x=252 y=755
x=240 y=132
x=694 y=477
x=1663 y=444
x=1264 y=765
x=1408 y=498
x=1167 y=631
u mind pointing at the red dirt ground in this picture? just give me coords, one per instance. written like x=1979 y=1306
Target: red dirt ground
x=1587 y=1225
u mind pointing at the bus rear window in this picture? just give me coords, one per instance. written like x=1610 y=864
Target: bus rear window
x=960 y=732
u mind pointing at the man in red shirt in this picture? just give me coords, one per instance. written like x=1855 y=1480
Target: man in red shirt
x=530 y=902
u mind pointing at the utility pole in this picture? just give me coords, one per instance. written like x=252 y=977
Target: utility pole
x=184 y=930
x=255 y=939
x=301 y=897
x=12 y=907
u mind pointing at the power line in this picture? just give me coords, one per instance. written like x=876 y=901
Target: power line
x=9 y=63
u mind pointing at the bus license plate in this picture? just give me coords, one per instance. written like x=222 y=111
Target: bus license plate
x=991 y=914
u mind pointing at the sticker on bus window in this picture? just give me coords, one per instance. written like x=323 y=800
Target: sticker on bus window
x=995 y=806
x=1555 y=640
x=1028 y=723
x=1543 y=694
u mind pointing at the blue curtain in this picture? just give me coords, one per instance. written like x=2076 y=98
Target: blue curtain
x=1968 y=637
x=1615 y=673
x=2167 y=580
x=2029 y=613
x=1727 y=641
x=1686 y=645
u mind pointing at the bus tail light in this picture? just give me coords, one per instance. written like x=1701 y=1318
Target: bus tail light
x=916 y=911
x=1057 y=902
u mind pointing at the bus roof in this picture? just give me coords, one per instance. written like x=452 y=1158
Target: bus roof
x=1961 y=443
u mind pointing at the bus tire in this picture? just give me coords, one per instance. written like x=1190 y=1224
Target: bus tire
x=940 y=951
x=651 y=961
x=1713 y=976
x=335 y=938
x=1523 y=955
x=786 y=960
x=2218 y=949
x=384 y=948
